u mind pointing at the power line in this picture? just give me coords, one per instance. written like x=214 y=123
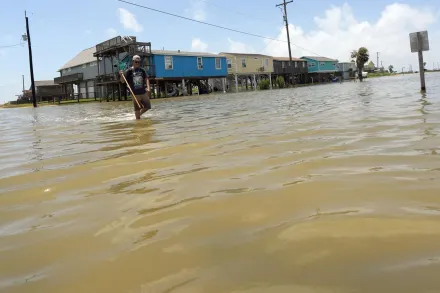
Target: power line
x=217 y=26
x=273 y=37
x=10 y=46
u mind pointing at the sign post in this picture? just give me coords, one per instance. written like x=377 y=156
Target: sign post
x=420 y=42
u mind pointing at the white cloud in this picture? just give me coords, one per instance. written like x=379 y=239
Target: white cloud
x=197 y=10
x=128 y=20
x=338 y=32
x=111 y=32
x=198 y=45
x=238 y=47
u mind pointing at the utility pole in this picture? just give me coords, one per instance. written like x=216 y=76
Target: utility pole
x=284 y=4
x=377 y=64
x=28 y=37
x=23 y=82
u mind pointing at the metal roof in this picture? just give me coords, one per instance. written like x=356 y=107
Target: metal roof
x=83 y=57
x=44 y=83
x=287 y=59
x=323 y=59
x=183 y=53
x=245 y=54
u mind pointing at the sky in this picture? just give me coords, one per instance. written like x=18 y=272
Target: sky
x=332 y=28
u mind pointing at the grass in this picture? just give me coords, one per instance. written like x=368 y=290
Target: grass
x=379 y=74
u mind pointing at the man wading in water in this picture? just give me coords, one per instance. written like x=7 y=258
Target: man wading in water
x=138 y=80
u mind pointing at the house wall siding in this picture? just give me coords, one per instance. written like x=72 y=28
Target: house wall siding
x=315 y=66
x=300 y=69
x=187 y=66
x=253 y=64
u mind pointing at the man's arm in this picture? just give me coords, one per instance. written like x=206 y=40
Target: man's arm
x=147 y=81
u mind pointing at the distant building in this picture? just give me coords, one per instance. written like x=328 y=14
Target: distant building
x=320 y=69
x=248 y=67
x=80 y=71
x=346 y=70
x=45 y=90
x=298 y=68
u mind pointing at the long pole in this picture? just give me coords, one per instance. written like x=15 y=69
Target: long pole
x=23 y=82
x=34 y=98
x=421 y=67
x=377 y=64
x=133 y=95
x=284 y=4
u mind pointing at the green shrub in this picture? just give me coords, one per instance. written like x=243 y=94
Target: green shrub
x=280 y=82
x=264 y=84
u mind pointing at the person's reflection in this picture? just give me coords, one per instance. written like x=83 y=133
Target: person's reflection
x=127 y=137
x=142 y=132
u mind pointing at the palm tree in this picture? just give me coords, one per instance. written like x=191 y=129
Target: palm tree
x=361 y=56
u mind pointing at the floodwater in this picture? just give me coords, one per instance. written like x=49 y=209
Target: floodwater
x=331 y=188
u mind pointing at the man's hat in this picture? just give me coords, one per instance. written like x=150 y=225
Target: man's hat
x=136 y=58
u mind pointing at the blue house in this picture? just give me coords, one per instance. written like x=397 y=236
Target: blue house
x=320 y=69
x=188 y=69
x=179 y=65
x=321 y=64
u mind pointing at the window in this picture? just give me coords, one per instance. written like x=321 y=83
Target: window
x=266 y=63
x=199 y=63
x=168 y=62
x=70 y=69
x=296 y=64
x=312 y=64
x=229 y=62
x=84 y=65
x=243 y=62
x=218 y=63
x=93 y=63
x=322 y=63
x=283 y=65
x=304 y=64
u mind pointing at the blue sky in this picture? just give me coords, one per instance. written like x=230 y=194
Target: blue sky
x=327 y=27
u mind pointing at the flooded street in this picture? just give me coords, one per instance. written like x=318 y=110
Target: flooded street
x=330 y=188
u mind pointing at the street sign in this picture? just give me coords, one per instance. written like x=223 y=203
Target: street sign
x=419 y=42
x=416 y=44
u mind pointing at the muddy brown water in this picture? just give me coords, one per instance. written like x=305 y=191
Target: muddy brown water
x=332 y=188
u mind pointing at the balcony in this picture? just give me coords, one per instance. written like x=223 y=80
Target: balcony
x=71 y=78
x=141 y=49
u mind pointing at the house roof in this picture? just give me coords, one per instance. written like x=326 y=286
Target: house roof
x=320 y=59
x=287 y=59
x=183 y=53
x=45 y=82
x=83 y=57
x=244 y=54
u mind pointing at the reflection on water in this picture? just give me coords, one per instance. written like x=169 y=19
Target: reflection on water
x=331 y=188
